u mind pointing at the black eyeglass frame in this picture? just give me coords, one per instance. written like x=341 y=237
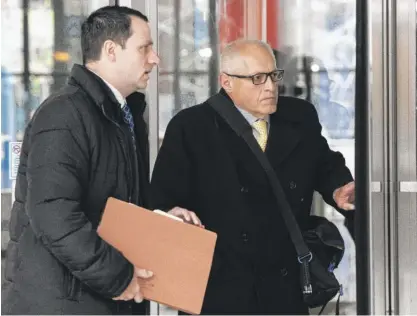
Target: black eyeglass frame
x=279 y=72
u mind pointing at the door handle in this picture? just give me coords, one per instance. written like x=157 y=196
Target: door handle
x=408 y=186
x=376 y=186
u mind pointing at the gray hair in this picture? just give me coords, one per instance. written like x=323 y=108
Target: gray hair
x=231 y=56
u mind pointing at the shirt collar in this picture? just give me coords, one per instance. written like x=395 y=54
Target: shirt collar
x=116 y=92
x=249 y=117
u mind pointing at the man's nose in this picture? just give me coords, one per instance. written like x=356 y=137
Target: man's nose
x=154 y=58
x=270 y=85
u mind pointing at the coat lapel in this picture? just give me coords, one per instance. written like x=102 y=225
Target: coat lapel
x=283 y=138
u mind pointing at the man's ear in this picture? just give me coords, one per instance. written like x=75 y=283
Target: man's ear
x=226 y=82
x=109 y=50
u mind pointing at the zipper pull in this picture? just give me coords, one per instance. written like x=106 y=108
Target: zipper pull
x=305 y=272
x=307 y=288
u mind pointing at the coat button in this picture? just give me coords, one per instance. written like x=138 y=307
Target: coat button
x=244 y=190
x=284 y=272
x=245 y=237
x=293 y=185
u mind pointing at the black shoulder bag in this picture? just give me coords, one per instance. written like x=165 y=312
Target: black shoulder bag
x=320 y=247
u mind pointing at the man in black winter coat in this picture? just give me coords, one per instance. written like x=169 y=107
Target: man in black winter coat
x=204 y=166
x=85 y=143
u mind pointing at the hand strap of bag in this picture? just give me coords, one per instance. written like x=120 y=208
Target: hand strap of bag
x=242 y=128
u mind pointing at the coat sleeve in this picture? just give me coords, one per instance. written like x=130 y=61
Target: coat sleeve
x=170 y=185
x=331 y=172
x=57 y=174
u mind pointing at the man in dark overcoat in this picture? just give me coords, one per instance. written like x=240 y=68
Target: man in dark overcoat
x=206 y=168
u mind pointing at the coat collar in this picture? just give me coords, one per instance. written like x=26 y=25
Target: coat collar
x=284 y=133
x=102 y=96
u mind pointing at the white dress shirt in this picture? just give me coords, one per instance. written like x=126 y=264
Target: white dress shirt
x=116 y=92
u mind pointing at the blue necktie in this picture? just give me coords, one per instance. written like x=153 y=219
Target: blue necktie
x=128 y=118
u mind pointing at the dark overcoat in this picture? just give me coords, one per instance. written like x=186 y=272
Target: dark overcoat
x=205 y=167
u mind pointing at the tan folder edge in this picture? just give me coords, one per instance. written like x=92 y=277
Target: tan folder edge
x=179 y=254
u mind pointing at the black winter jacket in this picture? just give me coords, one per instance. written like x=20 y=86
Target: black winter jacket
x=77 y=152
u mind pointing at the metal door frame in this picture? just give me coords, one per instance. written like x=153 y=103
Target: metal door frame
x=381 y=23
x=405 y=239
x=393 y=218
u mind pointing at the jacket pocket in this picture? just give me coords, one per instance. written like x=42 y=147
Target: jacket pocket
x=72 y=286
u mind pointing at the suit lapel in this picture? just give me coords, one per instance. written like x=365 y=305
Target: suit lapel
x=282 y=140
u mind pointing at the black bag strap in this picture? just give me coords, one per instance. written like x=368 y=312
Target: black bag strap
x=242 y=128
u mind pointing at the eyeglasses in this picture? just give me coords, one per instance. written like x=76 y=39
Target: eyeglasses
x=262 y=77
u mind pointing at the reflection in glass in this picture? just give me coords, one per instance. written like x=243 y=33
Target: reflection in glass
x=188 y=51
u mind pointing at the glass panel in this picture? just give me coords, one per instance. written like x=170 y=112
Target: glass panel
x=184 y=36
x=314 y=41
x=48 y=47
x=318 y=56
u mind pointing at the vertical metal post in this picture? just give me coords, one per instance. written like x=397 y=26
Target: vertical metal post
x=361 y=160
x=213 y=37
x=152 y=94
x=177 y=65
x=60 y=45
x=26 y=60
x=306 y=62
x=392 y=165
x=379 y=212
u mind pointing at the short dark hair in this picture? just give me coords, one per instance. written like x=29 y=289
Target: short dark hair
x=107 y=23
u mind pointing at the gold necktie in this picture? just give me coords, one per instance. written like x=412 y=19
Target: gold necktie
x=262 y=138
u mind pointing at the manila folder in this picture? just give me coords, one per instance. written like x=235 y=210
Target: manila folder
x=179 y=254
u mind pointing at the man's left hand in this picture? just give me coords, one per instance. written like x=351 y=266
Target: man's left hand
x=186 y=215
x=345 y=197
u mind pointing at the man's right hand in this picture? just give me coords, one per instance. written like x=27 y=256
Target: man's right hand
x=132 y=292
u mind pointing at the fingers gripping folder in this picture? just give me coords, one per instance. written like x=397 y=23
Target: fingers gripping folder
x=179 y=254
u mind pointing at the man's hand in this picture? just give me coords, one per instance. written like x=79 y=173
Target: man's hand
x=132 y=292
x=345 y=196
x=186 y=215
